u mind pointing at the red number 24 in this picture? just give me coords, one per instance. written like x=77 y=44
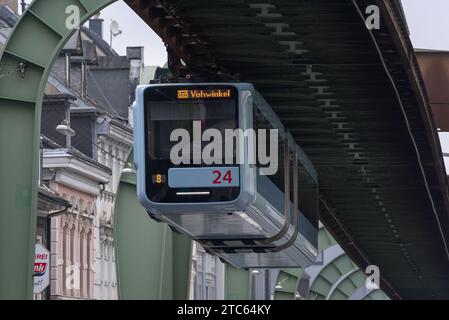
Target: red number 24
x=227 y=177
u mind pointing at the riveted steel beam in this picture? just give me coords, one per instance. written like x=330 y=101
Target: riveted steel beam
x=152 y=261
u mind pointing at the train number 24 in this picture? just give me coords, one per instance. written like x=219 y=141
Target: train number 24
x=220 y=178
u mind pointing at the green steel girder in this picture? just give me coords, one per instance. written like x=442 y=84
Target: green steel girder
x=237 y=283
x=287 y=284
x=339 y=278
x=325 y=239
x=152 y=261
x=340 y=267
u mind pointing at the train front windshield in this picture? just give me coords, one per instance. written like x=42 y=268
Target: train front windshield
x=176 y=118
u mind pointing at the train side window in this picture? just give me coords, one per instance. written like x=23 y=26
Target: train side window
x=308 y=196
x=261 y=122
x=308 y=188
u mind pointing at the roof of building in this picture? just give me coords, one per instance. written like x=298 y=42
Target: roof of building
x=99 y=42
x=111 y=63
x=150 y=73
x=8 y=18
x=49 y=197
x=420 y=50
x=52 y=145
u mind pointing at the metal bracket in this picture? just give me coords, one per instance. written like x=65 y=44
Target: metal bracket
x=21 y=68
x=175 y=65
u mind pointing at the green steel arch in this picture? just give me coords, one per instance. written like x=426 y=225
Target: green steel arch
x=287 y=284
x=337 y=279
x=25 y=66
x=323 y=286
x=340 y=278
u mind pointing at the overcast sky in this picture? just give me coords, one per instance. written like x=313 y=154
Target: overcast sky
x=428 y=21
x=135 y=33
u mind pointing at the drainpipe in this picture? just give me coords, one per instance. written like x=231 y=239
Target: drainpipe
x=83 y=79
x=68 y=57
x=41 y=160
x=49 y=217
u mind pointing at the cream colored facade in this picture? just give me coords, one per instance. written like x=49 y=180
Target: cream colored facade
x=114 y=145
x=80 y=181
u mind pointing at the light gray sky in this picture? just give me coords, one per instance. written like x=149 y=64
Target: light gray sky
x=135 y=33
x=428 y=21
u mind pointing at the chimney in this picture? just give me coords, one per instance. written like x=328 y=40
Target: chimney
x=136 y=63
x=96 y=25
x=135 y=56
x=12 y=4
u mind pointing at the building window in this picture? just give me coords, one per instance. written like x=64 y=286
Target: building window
x=205 y=275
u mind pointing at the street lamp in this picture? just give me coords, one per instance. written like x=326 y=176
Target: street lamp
x=65 y=129
x=129 y=169
x=255 y=272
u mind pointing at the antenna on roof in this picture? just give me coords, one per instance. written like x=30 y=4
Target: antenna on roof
x=115 y=30
x=23 y=5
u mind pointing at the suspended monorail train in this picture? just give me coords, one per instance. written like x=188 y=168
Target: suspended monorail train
x=214 y=162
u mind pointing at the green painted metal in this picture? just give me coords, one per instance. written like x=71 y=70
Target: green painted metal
x=153 y=262
x=181 y=266
x=17 y=201
x=345 y=287
x=330 y=275
x=376 y=295
x=288 y=280
x=237 y=284
x=340 y=279
x=325 y=239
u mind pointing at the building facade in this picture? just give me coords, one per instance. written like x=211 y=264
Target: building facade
x=101 y=82
x=79 y=181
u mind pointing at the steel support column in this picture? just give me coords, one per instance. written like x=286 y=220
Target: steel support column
x=237 y=284
x=287 y=284
x=152 y=261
